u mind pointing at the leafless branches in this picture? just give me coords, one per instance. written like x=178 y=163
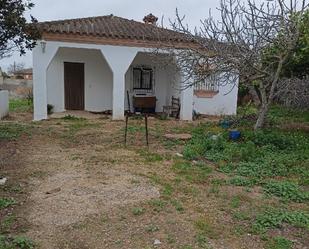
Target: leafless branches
x=250 y=40
x=293 y=92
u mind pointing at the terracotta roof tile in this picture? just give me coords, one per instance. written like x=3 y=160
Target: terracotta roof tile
x=112 y=27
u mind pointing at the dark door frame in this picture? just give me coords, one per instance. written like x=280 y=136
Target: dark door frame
x=74 y=85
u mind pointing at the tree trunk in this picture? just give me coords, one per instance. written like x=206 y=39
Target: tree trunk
x=263 y=108
x=262 y=117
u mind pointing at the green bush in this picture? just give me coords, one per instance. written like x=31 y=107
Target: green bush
x=138 y=211
x=276 y=218
x=18 y=242
x=279 y=243
x=23 y=243
x=6 y=202
x=286 y=190
x=20 y=105
x=241 y=181
x=270 y=138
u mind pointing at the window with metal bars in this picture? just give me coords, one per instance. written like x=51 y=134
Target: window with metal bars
x=208 y=84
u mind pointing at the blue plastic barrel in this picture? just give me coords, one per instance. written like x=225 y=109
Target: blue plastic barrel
x=235 y=135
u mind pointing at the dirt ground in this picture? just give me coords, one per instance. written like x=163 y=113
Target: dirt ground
x=78 y=186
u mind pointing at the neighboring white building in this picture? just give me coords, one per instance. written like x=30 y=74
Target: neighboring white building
x=1 y=77
x=106 y=63
x=4 y=103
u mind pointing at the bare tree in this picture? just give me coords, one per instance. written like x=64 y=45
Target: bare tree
x=293 y=92
x=15 y=67
x=249 y=41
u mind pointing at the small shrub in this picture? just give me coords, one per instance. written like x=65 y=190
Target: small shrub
x=167 y=190
x=235 y=202
x=276 y=139
x=138 y=211
x=157 y=205
x=279 y=243
x=6 y=202
x=23 y=243
x=201 y=240
x=18 y=242
x=152 y=228
x=241 y=181
x=286 y=190
x=50 y=109
x=241 y=216
x=178 y=205
x=7 y=223
x=276 y=218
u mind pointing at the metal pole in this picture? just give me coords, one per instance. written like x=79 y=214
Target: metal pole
x=146 y=126
x=126 y=130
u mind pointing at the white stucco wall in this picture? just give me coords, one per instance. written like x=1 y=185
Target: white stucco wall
x=98 y=79
x=224 y=103
x=4 y=103
x=118 y=59
x=107 y=77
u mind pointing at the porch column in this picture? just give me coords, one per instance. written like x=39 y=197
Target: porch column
x=119 y=60
x=186 y=110
x=118 y=94
x=186 y=99
x=41 y=59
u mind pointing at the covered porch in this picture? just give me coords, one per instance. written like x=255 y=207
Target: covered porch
x=100 y=78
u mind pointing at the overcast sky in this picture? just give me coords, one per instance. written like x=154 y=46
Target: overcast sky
x=45 y=10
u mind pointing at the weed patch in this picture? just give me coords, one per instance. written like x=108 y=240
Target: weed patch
x=279 y=243
x=138 y=211
x=12 y=131
x=178 y=205
x=286 y=190
x=258 y=155
x=241 y=181
x=18 y=242
x=6 y=202
x=276 y=218
x=235 y=202
x=195 y=173
x=150 y=156
x=20 y=105
x=157 y=205
x=152 y=228
x=7 y=223
x=207 y=229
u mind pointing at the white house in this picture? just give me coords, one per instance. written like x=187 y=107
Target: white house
x=107 y=63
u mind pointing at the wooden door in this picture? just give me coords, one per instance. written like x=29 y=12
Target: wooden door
x=74 y=86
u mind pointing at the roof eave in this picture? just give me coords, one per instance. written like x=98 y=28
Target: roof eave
x=128 y=42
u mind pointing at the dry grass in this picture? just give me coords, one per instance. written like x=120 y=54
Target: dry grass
x=106 y=195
